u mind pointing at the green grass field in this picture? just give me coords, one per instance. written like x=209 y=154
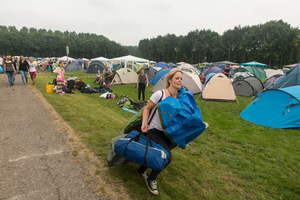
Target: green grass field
x=232 y=159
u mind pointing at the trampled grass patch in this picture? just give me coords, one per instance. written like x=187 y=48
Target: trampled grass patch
x=232 y=159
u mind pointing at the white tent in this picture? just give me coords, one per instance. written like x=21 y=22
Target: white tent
x=124 y=76
x=65 y=58
x=187 y=68
x=104 y=61
x=219 y=88
x=272 y=72
x=190 y=81
x=130 y=59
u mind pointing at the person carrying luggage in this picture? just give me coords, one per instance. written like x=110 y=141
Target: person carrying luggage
x=154 y=129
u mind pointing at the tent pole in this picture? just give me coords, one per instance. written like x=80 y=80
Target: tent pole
x=237 y=100
x=198 y=97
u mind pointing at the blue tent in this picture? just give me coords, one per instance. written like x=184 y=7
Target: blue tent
x=215 y=70
x=222 y=66
x=291 y=78
x=277 y=108
x=95 y=66
x=78 y=64
x=159 y=75
x=162 y=65
x=208 y=77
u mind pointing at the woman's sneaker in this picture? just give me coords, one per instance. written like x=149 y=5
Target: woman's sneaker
x=152 y=186
x=143 y=175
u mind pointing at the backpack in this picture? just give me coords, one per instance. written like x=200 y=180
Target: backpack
x=80 y=84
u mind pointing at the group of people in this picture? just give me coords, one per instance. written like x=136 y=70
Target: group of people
x=11 y=68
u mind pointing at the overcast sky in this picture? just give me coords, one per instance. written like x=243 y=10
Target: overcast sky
x=129 y=21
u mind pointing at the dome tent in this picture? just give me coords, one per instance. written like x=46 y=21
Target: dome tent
x=190 y=81
x=77 y=64
x=95 y=66
x=159 y=75
x=272 y=80
x=276 y=108
x=124 y=76
x=249 y=86
x=219 y=88
x=291 y=78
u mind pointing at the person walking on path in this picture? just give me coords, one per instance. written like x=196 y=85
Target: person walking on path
x=142 y=83
x=154 y=129
x=23 y=67
x=60 y=77
x=32 y=70
x=9 y=69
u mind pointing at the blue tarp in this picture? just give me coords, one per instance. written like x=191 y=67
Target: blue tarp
x=159 y=75
x=278 y=108
x=181 y=118
x=291 y=78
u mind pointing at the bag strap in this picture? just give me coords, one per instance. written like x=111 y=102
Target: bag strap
x=152 y=113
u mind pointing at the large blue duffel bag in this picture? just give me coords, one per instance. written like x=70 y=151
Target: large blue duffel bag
x=138 y=148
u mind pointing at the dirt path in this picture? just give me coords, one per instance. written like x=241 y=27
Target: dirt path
x=40 y=155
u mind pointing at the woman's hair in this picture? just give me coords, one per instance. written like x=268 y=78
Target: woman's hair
x=8 y=58
x=60 y=61
x=171 y=74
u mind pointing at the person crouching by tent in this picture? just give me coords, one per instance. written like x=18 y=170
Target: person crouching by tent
x=154 y=129
x=107 y=74
x=60 y=77
x=98 y=77
x=142 y=83
x=32 y=70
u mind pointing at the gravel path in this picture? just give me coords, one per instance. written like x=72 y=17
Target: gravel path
x=36 y=159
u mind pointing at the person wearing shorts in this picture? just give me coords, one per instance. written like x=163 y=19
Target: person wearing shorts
x=32 y=70
x=107 y=73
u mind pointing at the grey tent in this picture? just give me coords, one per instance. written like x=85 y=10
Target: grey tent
x=242 y=88
x=78 y=64
x=249 y=86
x=95 y=66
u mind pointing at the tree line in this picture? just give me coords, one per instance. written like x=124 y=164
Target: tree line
x=48 y=43
x=275 y=43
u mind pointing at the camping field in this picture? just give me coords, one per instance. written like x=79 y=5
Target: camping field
x=232 y=159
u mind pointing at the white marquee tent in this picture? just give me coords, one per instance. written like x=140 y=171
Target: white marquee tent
x=65 y=58
x=130 y=59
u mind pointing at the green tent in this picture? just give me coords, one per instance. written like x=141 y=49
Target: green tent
x=259 y=73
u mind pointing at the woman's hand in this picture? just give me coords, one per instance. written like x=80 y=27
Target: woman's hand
x=144 y=127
